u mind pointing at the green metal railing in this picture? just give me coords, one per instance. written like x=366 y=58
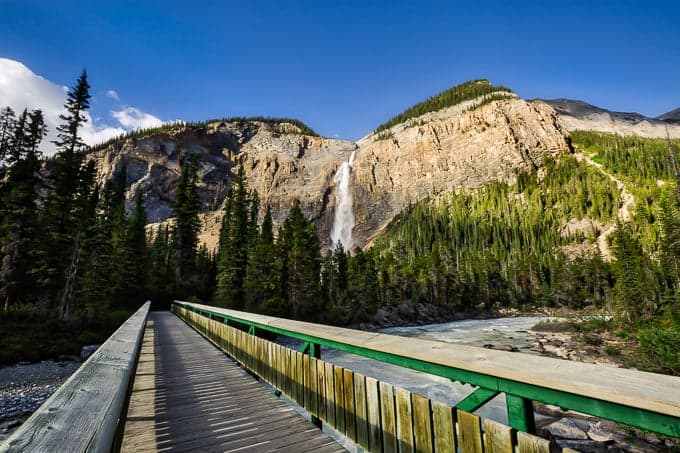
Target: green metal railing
x=664 y=418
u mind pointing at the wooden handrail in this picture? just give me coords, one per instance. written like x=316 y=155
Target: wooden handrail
x=85 y=413
x=645 y=400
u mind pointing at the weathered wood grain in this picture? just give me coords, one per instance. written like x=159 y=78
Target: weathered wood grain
x=361 y=415
x=443 y=424
x=339 y=384
x=528 y=443
x=422 y=424
x=404 y=420
x=469 y=432
x=497 y=437
x=388 y=418
x=373 y=414
x=99 y=389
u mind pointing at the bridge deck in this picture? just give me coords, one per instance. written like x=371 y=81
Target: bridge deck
x=188 y=395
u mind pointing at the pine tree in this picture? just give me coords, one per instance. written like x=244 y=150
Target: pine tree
x=136 y=253
x=187 y=224
x=232 y=264
x=68 y=209
x=300 y=243
x=18 y=229
x=262 y=286
x=7 y=122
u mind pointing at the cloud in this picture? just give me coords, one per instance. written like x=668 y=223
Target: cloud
x=21 y=88
x=132 y=118
x=113 y=95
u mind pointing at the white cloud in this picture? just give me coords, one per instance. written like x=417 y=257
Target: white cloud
x=113 y=94
x=132 y=118
x=21 y=88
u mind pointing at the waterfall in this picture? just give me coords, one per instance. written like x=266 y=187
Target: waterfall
x=343 y=221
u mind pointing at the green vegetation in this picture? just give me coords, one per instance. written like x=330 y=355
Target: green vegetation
x=453 y=96
x=177 y=126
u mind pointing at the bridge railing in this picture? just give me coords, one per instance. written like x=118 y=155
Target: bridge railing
x=379 y=417
x=86 y=412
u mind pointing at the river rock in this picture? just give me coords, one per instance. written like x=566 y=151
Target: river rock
x=565 y=428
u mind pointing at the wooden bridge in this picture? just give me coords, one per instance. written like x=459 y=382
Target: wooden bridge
x=158 y=384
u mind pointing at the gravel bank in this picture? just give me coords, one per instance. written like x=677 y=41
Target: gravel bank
x=25 y=386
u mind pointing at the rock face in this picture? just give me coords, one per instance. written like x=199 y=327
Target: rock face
x=434 y=154
x=450 y=149
x=579 y=115
x=281 y=164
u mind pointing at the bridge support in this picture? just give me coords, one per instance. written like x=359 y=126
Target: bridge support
x=520 y=413
x=476 y=399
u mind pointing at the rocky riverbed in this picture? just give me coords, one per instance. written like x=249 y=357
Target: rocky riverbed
x=25 y=386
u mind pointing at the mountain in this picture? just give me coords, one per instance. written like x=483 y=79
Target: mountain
x=670 y=117
x=579 y=115
x=484 y=135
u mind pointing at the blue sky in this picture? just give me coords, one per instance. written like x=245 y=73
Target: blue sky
x=343 y=67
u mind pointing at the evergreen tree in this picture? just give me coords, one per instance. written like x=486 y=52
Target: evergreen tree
x=263 y=285
x=235 y=239
x=634 y=288
x=18 y=229
x=187 y=224
x=7 y=122
x=68 y=209
x=136 y=253
x=299 y=241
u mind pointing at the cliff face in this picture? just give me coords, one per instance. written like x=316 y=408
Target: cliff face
x=433 y=154
x=449 y=149
x=282 y=165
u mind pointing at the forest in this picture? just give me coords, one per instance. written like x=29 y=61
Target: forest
x=74 y=261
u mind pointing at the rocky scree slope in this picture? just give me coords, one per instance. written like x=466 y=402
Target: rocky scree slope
x=464 y=146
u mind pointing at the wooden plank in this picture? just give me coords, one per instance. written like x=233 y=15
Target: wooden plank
x=330 y=394
x=648 y=391
x=422 y=424
x=305 y=383
x=288 y=368
x=97 y=389
x=350 y=417
x=443 y=424
x=295 y=387
x=497 y=437
x=528 y=443
x=339 y=399
x=373 y=414
x=321 y=388
x=404 y=420
x=361 y=415
x=312 y=386
x=469 y=432
x=299 y=379
x=388 y=419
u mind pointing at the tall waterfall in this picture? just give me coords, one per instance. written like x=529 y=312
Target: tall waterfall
x=343 y=221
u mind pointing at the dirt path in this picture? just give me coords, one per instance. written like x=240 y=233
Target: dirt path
x=625 y=210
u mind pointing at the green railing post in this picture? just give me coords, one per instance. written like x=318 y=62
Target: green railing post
x=520 y=413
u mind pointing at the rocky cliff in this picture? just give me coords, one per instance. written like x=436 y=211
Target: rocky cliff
x=460 y=146
x=579 y=115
